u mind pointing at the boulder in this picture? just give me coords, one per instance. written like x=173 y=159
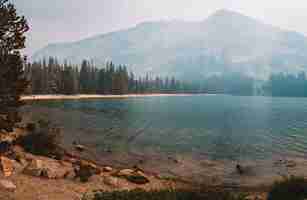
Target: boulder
x=89 y=195
x=34 y=168
x=7 y=166
x=290 y=164
x=80 y=147
x=7 y=185
x=49 y=168
x=20 y=155
x=125 y=172
x=84 y=170
x=56 y=170
x=137 y=177
x=111 y=181
x=30 y=127
x=107 y=169
x=240 y=169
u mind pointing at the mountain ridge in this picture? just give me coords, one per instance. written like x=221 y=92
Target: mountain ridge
x=226 y=41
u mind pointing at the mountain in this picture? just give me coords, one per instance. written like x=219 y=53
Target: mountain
x=224 y=42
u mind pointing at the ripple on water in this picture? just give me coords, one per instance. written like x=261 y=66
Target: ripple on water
x=221 y=126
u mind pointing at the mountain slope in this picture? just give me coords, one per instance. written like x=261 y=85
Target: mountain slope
x=226 y=41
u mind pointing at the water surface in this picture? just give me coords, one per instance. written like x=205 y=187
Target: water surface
x=219 y=126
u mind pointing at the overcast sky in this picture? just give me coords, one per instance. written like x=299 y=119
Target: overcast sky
x=70 y=20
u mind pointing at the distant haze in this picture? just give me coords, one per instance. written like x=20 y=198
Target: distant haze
x=225 y=42
x=71 y=20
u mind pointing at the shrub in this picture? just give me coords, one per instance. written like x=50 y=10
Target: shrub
x=164 y=195
x=293 y=188
x=43 y=140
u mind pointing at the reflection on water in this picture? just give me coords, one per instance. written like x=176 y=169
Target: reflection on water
x=222 y=127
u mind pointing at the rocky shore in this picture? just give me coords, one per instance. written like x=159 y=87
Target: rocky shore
x=26 y=176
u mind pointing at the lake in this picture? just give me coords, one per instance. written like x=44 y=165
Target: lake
x=219 y=126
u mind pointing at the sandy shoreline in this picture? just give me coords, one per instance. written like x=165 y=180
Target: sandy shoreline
x=86 y=96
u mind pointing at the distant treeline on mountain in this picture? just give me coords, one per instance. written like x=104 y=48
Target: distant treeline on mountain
x=51 y=77
x=286 y=85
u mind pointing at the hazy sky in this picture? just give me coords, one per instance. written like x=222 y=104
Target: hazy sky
x=70 y=20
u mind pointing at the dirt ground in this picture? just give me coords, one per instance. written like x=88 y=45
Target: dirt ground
x=37 y=188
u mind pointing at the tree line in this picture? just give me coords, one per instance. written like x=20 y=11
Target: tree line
x=286 y=85
x=51 y=77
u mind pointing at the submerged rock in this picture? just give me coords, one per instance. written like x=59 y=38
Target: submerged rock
x=245 y=170
x=79 y=147
x=286 y=163
x=240 y=169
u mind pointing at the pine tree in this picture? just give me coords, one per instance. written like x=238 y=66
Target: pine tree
x=84 y=77
x=131 y=84
x=101 y=81
x=12 y=79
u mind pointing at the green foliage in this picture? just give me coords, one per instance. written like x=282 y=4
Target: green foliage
x=43 y=140
x=54 y=78
x=164 y=195
x=12 y=80
x=293 y=188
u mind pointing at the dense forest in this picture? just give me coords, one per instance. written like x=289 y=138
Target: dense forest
x=51 y=77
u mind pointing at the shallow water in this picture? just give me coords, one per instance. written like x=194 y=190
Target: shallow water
x=219 y=126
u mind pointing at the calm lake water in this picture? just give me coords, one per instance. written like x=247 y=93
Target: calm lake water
x=219 y=126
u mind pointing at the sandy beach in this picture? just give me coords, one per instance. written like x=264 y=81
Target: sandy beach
x=87 y=96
